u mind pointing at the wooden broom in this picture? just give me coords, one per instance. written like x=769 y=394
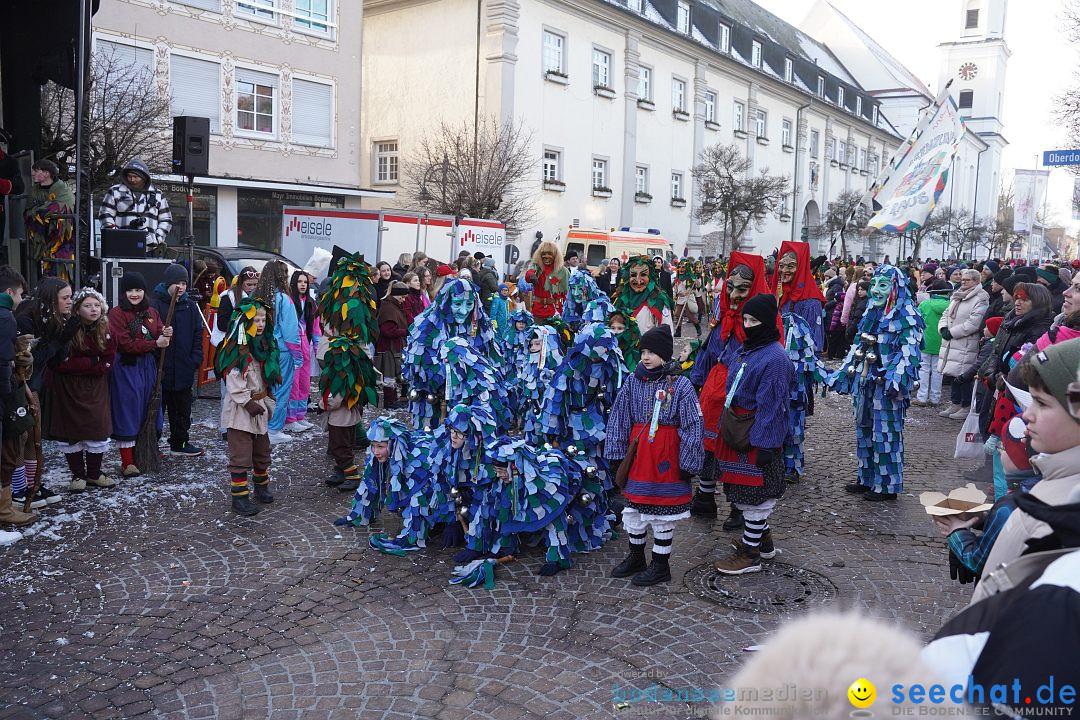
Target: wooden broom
x=147 y=454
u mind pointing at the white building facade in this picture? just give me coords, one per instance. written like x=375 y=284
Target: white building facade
x=279 y=81
x=621 y=97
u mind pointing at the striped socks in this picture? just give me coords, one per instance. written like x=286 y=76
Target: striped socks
x=753 y=530
x=30 y=470
x=352 y=472
x=636 y=539
x=261 y=477
x=18 y=480
x=662 y=541
x=706 y=485
x=239 y=484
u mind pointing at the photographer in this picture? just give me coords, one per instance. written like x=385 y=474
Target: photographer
x=135 y=204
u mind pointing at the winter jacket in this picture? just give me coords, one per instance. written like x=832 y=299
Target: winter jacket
x=858 y=309
x=1060 y=476
x=338 y=414
x=122 y=207
x=489 y=285
x=964 y=319
x=184 y=354
x=393 y=328
x=8 y=331
x=130 y=345
x=239 y=389
x=999 y=307
x=931 y=310
x=1015 y=332
x=834 y=297
x=607 y=281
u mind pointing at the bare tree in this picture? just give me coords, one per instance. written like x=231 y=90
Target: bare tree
x=126 y=117
x=999 y=233
x=837 y=215
x=455 y=171
x=1067 y=106
x=935 y=224
x=731 y=197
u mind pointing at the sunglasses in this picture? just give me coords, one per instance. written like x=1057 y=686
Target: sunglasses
x=1073 y=392
x=250 y=274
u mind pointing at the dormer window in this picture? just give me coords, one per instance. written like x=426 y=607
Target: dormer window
x=755 y=54
x=683 y=19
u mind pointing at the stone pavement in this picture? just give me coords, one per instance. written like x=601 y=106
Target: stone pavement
x=153 y=600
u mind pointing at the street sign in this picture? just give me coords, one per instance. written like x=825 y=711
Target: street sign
x=1052 y=158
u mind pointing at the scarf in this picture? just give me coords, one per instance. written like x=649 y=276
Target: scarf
x=643 y=374
x=6 y=301
x=760 y=335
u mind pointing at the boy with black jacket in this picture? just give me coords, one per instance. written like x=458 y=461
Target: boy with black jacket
x=182 y=358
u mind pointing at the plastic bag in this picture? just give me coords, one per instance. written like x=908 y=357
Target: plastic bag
x=969 y=443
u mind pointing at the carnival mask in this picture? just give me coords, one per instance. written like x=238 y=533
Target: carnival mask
x=786 y=266
x=738 y=289
x=639 y=277
x=880 y=288
x=457 y=439
x=547 y=257
x=462 y=306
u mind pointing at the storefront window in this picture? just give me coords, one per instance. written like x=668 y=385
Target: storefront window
x=204 y=201
x=259 y=212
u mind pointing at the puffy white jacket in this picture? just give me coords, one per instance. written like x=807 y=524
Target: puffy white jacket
x=964 y=318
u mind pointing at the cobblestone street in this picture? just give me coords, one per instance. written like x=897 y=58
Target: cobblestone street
x=153 y=599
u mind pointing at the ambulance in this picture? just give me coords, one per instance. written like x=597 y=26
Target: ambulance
x=594 y=246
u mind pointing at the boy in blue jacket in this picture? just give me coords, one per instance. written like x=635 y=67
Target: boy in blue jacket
x=182 y=358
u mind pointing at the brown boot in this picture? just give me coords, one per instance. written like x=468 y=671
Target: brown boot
x=744 y=559
x=11 y=515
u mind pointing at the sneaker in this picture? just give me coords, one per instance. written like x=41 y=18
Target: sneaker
x=77 y=485
x=48 y=495
x=961 y=413
x=295 y=427
x=18 y=500
x=101 y=481
x=277 y=436
x=186 y=450
x=949 y=410
x=130 y=471
x=919 y=403
x=305 y=424
x=744 y=559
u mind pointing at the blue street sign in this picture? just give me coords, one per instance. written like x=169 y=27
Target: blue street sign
x=1052 y=158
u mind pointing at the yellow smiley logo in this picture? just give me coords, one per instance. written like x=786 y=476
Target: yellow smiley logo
x=862 y=693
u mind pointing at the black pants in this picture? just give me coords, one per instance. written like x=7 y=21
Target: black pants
x=178 y=408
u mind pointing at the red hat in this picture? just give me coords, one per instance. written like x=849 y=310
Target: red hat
x=993 y=324
x=1076 y=264
x=1014 y=443
x=444 y=270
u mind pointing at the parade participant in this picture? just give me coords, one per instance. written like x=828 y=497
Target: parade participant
x=472 y=380
x=455 y=312
x=307 y=317
x=135 y=203
x=548 y=281
x=582 y=290
x=50 y=229
x=629 y=336
x=687 y=289
x=879 y=372
x=746 y=277
x=393 y=329
x=754 y=428
x=348 y=305
x=641 y=296
x=389 y=456
x=515 y=352
x=500 y=311
x=809 y=371
x=663 y=276
x=80 y=414
x=273 y=290
x=655 y=426
x=20 y=414
x=139 y=333
x=534 y=378
x=248 y=359
x=796 y=291
x=346 y=384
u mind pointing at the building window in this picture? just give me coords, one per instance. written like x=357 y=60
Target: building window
x=840 y=96
x=841 y=151
x=259 y=212
x=676 y=186
x=821 y=86
x=641 y=177
x=861 y=159
x=761 y=123
x=815 y=140
x=195 y=89
x=678 y=94
x=553 y=52
x=386 y=161
x=874 y=165
x=873 y=114
x=725 y=38
x=737 y=119
x=601 y=69
x=255 y=101
x=552 y=164
x=755 y=54
x=645 y=83
x=858 y=105
x=313 y=15
x=710 y=106
x=312 y=114
x=789 y=69
x=599 y=173
x=785 y=132
x=139 y=60
x=967 y=97
x=684 y=17
x=851 y=156
x=972 y=19
x=258 y=9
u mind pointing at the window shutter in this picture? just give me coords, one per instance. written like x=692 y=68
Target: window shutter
x=141 y=59
x=256 y=77
x=312 y=105
x=196 y=89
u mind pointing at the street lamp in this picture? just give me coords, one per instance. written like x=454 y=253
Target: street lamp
x=446 y=174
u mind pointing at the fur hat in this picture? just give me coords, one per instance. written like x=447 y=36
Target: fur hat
x=132 y=281
x=659 y=341
x=88 y=292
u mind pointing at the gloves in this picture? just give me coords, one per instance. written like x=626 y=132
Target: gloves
x=254 y=408
x=765 y=456
x=339 y=522
x=530 y=276
x=70 y=328
x=946 y=334
x=960 y=572
x=992 y=445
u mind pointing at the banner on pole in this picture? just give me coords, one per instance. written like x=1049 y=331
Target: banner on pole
x=1029 y=186
x=910 y=191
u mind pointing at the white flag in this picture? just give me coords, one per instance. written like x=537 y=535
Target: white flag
x=915 y=182
x=1029 y=186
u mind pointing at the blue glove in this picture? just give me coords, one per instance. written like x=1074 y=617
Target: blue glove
x=341 y=521
x=992 y=445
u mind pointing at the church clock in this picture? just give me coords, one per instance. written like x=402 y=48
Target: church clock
x=968 y=71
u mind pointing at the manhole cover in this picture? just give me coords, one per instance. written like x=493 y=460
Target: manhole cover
x=777 y=588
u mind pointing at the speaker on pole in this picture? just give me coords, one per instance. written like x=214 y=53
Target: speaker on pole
x=191 y=145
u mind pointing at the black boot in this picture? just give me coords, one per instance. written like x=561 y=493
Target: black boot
x=659 y=571
x=697 y=326
x=242 y=505
x=633 y=564
x=262 y=493
x=856 y=487
x=704 y=505
x=734 y=519
x=678 y=331
x=336 y=477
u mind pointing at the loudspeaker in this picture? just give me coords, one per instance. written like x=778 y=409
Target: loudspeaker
x=191 y=145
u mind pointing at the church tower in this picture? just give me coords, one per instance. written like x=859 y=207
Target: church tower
x=976 y=63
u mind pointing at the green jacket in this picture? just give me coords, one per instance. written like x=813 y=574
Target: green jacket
x=932 y=309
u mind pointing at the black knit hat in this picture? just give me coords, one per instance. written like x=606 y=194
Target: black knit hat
x=659 y=341
x=132 y=281
x=1011 y=282
x=175 y=273
x=940 y=287
x=1002 y=275
x=1026 y=273
x=761 y=307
